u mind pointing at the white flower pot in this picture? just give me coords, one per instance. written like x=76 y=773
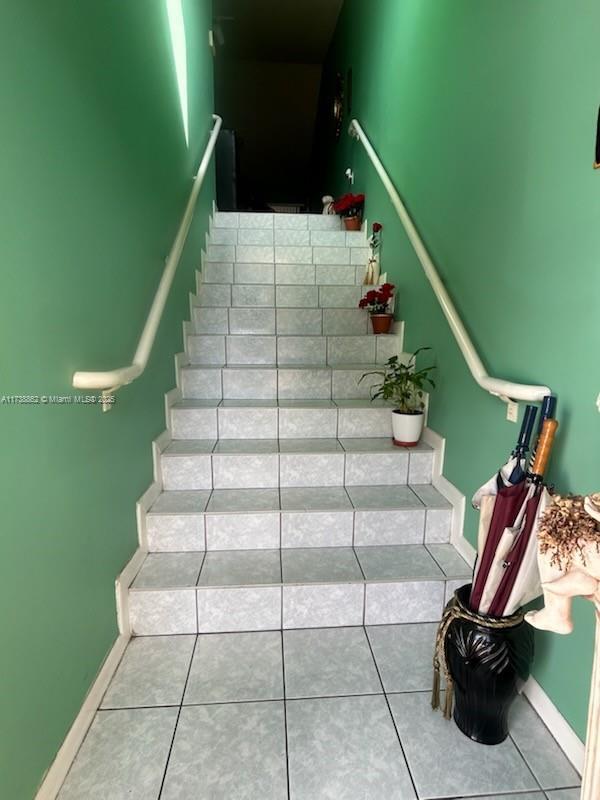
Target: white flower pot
x=407 y=428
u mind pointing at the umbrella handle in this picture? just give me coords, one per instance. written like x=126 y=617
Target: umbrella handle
x=544 y=447
x=526 y=428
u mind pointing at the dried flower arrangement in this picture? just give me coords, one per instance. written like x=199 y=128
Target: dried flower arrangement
x=566 y=529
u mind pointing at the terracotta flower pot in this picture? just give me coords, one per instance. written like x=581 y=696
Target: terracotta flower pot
x=353 y=223
x=381 y=322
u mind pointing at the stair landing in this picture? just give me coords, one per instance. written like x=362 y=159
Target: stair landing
x=316 y=714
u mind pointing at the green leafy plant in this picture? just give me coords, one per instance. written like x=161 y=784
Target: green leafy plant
x=402 y=383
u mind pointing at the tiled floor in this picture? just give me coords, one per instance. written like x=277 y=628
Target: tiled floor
x=332 y=714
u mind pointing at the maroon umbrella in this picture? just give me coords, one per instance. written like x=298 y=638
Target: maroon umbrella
x=515 y=561
x=509 y=501
x=507 y=543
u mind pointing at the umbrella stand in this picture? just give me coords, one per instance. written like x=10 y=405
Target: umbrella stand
x=482 y=659
x=484 y=655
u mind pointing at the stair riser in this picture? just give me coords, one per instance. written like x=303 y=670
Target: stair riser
x=288 y=529
x=272 y=470
x=211 y=296
x=280 y=423
x=336 y=254
x=215 y=273
x=256 y=349
x=282 y=321
x=281 y=237
x=269 y=221
x=212 y=610
x=271 y=384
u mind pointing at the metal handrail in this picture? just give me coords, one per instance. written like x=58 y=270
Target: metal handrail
x=112 y=380
x=505 y=390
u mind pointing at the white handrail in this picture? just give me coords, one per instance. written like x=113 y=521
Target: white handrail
x=505 y=390
x=113 y=379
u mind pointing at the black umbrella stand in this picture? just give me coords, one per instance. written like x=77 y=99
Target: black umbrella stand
x=482 y=659
x=483 y=656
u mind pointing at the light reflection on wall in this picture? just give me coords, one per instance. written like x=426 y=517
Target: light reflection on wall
x=178 y=45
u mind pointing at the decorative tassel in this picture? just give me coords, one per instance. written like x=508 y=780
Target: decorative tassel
x=435 y=692
x=449 y=700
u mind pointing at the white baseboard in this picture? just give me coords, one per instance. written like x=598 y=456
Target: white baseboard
x=454 y=496
x=57 y=772
x=122 y=584
x=569 y=742
x=172 y=397
x=59 y=768
x=398 y=330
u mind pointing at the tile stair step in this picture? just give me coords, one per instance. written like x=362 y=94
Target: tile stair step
x=263 y=382
x=269 y=463
x=271 y=349
x=257 y=295
x=217 y=273
x=241 y=519
x=337 y=255
x=287 y=237
x=284 y=274
x=271 y=221
x=272 y=589
x=281 y=419
x=282 y=321
x=312 y=248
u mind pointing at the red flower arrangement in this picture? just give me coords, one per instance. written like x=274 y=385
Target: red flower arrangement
x=349 y=205
x=377 y=301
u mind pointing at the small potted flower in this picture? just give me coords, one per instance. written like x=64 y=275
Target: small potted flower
x=405 y=386
x=377 y=303
x=350 y=208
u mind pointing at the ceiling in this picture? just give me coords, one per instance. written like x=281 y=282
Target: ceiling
x=297 y=31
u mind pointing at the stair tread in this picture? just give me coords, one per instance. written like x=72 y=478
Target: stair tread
x=333 y=498
x=226 y=568
x=255 y=446
x=367 y=334
x=188 y=403
x=337 y=366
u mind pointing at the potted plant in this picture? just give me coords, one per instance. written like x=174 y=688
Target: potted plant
x=350 y=208
x=377 y=302
x=405 y=386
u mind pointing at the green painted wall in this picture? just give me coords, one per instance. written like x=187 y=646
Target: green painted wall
x=484 y=114
x=95 y=176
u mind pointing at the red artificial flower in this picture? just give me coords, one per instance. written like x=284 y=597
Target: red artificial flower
x=371 y=296
x=363 y=302
x=377 y=226
x=348 y=202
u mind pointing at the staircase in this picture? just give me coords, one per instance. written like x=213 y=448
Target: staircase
x=284 y=503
